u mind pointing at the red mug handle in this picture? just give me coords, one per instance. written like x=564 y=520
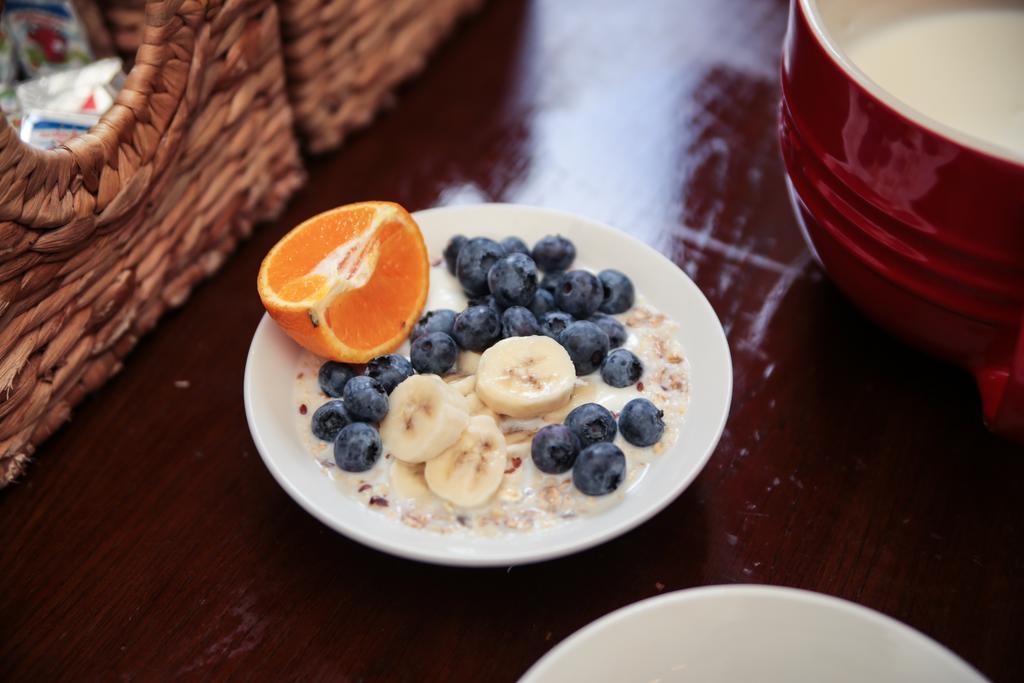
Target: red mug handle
x=1002 y=392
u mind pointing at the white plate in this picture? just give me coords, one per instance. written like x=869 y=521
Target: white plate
x=730 y=634
x=273 y=358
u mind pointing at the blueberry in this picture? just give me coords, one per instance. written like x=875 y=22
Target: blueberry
x=514 y=245
x=554 y=253
x=333 y=377
x=518 y=322
x=476 y=258
x=641 y=422
x=434 y=353
x=476 y=328
x=549 y=282
x=613 y=328
x=543 y=302
x=587 y=345
x=592 y=423
x=599 y=469
x=618 y=291
x=554 y=449
x=390 y=370
x=621 y=368
x=357 y=447
x=365 y=399
x=451 y=251
x=513 y=280
x=329 y=419
x=440 y=320
x=487 y=300
x=554 y=322
x=579 y=294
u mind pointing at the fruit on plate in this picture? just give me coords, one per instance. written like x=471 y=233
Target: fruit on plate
x=390 y=370
x=553 y=323
x=515 y=351
x=621 y=368
x=407 y=480
x=618 y=291
x=349 y=283
x=329 y=419
x=518 y=321
x=434 y=353
x=515 y=245
x=549 y=283
x=332 y=378
x=543 y=302
x=474 y=262
x=470 y=471
x=365 y=398
x=426 y=417
x=464 y=385
x=579 y=293
x=587 y=345
x=440 y=320
x=554 y=449
x=525 y=376
x=615 y=330
x=357 y=447
x=477 y=327
x=599 y=469
x=485 y=300
x=451 y=251
x=592 y=423
x=554 y=253
x=512 y=280
x=641 y=422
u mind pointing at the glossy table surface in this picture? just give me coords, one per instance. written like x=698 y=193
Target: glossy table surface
x=148 y=540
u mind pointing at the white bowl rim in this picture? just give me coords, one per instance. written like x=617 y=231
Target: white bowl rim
x=750 y=590
x=436 y=555
x=954 y=135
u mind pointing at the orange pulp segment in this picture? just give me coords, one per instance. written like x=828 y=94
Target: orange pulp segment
x=349 y=283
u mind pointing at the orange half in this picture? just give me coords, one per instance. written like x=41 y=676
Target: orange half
x=349 y=283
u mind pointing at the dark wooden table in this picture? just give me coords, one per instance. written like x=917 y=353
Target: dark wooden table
x=149 y=541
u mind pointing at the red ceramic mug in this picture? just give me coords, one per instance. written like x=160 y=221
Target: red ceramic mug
x=920 y=225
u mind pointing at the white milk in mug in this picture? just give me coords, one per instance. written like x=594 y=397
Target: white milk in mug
x=961 y=64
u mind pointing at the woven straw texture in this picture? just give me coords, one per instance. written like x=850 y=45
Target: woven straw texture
x=344 y=59
x=100 y=237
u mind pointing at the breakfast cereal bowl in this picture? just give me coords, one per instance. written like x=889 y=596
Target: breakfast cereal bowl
x=275 y=389
x=724 y=634
x=918 y=221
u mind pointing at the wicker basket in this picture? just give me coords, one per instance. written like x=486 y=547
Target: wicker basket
x=100 y=237
x=343 y=57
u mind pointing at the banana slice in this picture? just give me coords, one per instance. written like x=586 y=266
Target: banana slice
x=478 y=407
x=426 y=417
x=464 y=385
x=407 y=481
x=525 y=376
x=469 y=472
